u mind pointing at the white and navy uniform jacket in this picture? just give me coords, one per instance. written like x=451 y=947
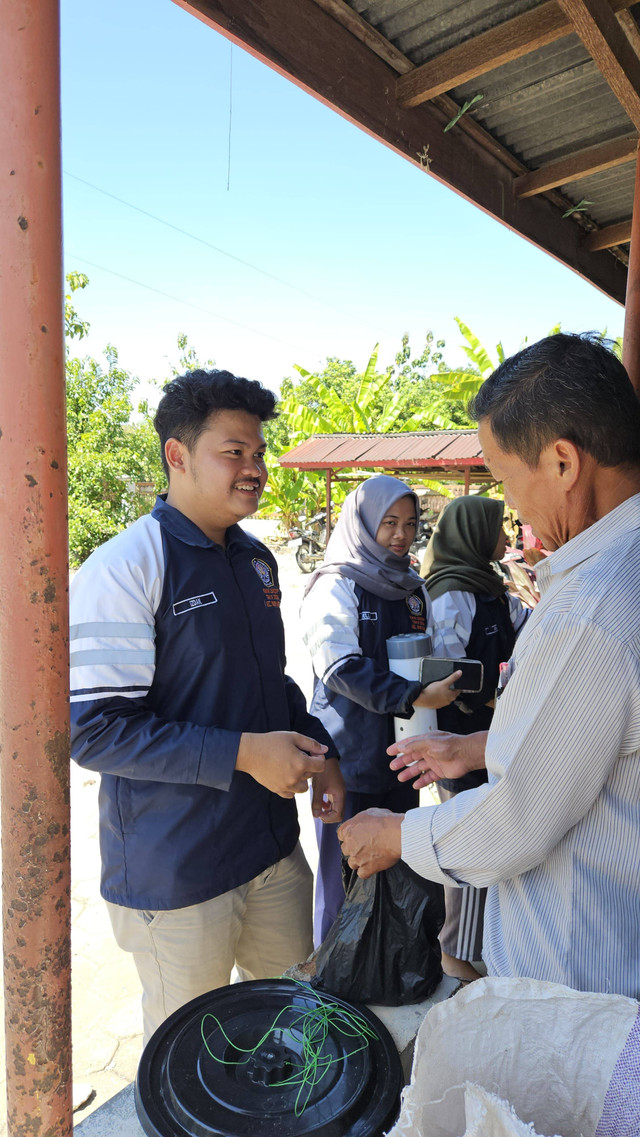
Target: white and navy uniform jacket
x=476 y=626
x=356 y=696
x=177 y=646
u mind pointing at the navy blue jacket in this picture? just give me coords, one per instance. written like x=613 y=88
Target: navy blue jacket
x=355 y=695
x=177 y=648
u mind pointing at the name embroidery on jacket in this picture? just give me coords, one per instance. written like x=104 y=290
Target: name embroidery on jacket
x=182 y=606
x=368 y=615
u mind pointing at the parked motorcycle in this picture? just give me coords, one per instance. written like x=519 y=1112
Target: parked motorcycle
x=309 y=541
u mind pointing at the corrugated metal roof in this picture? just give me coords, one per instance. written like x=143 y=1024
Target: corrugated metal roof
x=453 y=449
x=423 y=29
x=547 y=104
x=610 y=191
x=541 y=107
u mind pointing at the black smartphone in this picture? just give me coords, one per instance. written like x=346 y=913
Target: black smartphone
x=471 y=680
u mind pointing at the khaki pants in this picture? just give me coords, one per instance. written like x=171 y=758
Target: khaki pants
x=262 y=927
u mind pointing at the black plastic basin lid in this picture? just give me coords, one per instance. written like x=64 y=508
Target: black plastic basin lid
x=181 y=1091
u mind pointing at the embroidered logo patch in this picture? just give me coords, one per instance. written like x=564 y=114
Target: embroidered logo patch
x=417 y=614
x=492 y=630
x=368 y=615
x=182 y=606
x=264 y=572
x=271 y=592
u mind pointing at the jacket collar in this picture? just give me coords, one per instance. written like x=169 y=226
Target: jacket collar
x=623 y=519
x=187 y=531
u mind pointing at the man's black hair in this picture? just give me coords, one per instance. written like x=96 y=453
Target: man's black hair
x=564 y=386
x=189 y=401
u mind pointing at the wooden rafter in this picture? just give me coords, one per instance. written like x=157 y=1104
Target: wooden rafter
x=608 y=46
x=367 y=34
x=508 y=41
x=575 y=166
x=619 y=234
x=631 y=30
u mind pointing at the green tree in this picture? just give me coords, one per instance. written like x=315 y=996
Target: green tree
x=74 y=327
x=463 y=383
x=188 y=359
x=417 y=380
x=342 y=400
x=109 y=453
x=402 y=396
x=111 y=446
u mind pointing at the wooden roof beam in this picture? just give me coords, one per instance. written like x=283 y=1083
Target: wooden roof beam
x=608 y=46
x=493 y=48
x=619 y=234
x=579 y=165
x=631 y=30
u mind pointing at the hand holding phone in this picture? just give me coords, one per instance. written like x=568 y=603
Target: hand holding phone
x=433 y=669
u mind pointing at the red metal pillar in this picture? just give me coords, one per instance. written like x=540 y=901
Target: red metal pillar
x=34 y=734
x=631 y=343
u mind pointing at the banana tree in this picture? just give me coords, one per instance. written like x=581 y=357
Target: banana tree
x=375 y=406
x=465 y=382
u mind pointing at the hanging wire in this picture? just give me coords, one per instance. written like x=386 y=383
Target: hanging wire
x=313 y=1027
x=230 y=116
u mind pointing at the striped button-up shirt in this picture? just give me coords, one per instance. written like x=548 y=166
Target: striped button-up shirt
x=555 y=833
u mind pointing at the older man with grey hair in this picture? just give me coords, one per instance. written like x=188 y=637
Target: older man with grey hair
x=555 y=834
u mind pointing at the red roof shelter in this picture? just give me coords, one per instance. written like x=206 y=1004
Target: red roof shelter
x=447 y=455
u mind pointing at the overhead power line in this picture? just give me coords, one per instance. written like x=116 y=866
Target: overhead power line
x=187 y=303
x=221 y=251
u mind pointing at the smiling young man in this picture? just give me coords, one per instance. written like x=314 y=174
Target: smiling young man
x=555 y=833
x=180 y=701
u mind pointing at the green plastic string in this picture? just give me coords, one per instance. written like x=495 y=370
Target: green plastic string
x=313 y=1026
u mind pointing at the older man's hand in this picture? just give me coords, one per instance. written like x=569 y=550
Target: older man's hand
x=371 y=840
x=429 y=757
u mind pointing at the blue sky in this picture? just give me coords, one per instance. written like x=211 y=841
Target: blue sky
x=363 y=245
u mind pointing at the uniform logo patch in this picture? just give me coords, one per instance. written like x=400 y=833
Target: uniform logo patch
x=264 y=572
x=368 y=615
x=415 y=605
x=182 y=606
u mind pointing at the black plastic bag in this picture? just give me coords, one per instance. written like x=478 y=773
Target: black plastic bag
x=383 y=946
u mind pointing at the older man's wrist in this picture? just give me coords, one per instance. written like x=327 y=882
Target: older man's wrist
x=470 y=749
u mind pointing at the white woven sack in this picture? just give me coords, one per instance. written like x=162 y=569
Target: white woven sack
x=488 y=1116
x=546 y=1050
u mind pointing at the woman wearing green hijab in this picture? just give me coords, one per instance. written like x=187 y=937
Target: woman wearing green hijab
x=478 y=619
